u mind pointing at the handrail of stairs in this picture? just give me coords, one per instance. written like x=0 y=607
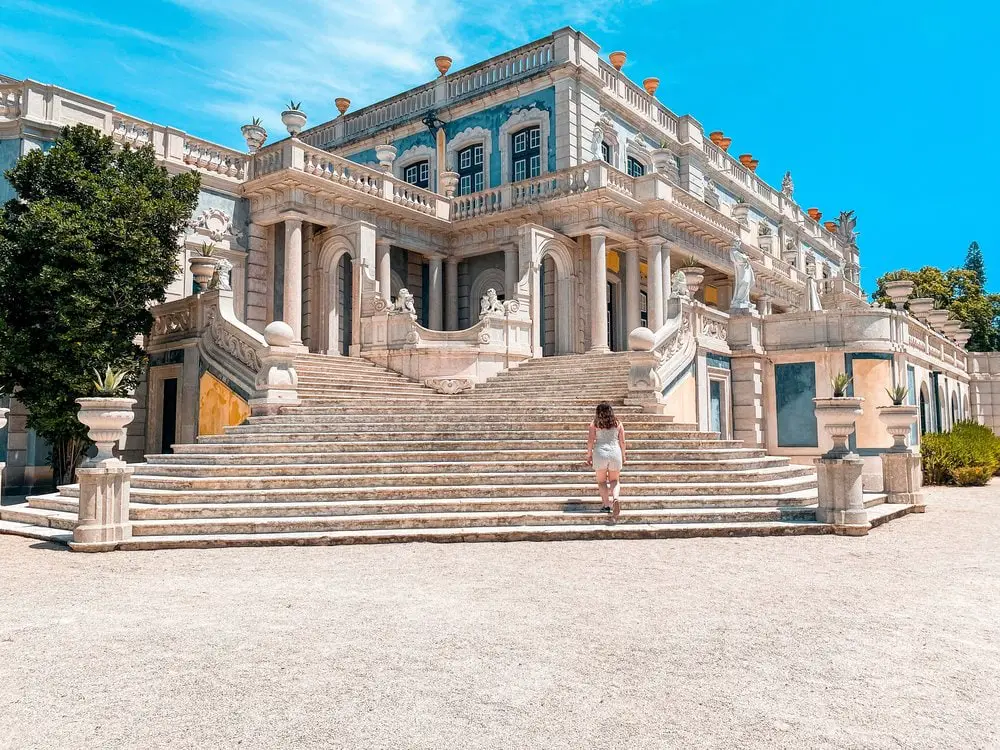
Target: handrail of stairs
x=659 y=357
x=448 y=361
x=258 y=367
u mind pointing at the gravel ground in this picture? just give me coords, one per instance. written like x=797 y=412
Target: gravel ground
x=889 y=641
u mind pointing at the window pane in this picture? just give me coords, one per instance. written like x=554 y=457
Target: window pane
x=634 y=167
x=477 y=155
x=519 y=168
x=536 y=166
x=465 y=159
x=465 y=185
x=478 y=181
x=424 y=171
x=520 y=142
x=535 y=137
x=606 y=152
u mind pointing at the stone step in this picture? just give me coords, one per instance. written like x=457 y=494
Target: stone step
x=33 y=531
x=581 y=421
x=268 y=477
x=267 y=454
x=603 y=530
x=573 y=465
x=467 y=519
x=458 y=431
x=450 y=407
x=264 y=507
x=249 y=492
x=268 y=443
x=26 y=514
x=461 y=400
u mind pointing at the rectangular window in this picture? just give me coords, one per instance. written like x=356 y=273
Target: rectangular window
x=418 y=174
x=465 y=159
x=634 y=167
x=477 y=182
x=606 y=151
x=470 y=169
x=477 y=155
x=643 y=310
x=527 y=161
x=465 y=185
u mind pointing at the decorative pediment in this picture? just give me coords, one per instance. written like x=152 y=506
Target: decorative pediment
x=213 y=223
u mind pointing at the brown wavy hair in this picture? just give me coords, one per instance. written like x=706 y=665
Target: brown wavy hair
x=605 y=418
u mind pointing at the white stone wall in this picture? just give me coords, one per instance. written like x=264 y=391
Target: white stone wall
x=985 y=388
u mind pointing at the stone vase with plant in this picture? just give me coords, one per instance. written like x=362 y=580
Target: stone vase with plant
x=203 y=263
x=837 y=415
x=107 y=413
x=293 y=118
x=898 y=418
x=693 y=274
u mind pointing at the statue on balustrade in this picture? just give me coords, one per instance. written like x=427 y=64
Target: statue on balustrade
x=678 y=285
x=743 y=277
x=845 y=227
x=221 y=277
x=404 y=303
x=490 y=304
x=787 y=186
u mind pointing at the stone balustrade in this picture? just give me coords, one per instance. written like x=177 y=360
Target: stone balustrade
x=10 y=101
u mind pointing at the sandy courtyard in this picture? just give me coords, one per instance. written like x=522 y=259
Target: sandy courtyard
x=890 y=641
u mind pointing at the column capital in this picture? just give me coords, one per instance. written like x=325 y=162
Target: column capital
x=383 y=241
x=434 y=257
x=451 y=260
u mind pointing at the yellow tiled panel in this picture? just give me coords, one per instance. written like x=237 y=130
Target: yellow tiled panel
x=218 y=406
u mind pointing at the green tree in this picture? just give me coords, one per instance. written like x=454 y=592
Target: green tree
x=959 y=291
x=974 y=262
x=89 y=241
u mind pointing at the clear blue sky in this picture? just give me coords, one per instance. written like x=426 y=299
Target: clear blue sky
x=886 y=107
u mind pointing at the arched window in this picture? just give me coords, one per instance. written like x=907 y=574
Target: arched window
x=634 y=167
x=526 y=161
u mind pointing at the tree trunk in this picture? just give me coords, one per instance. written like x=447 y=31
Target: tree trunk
x=67 y=454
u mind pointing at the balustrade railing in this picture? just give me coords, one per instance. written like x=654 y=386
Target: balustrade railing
x=194 y=152
x=10 y=101
x=211 y=158
x=519 y=62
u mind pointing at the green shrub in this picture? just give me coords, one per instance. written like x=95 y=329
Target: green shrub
x=971 y=476
x=968 y=455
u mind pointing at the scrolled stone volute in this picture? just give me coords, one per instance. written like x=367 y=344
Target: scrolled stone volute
x=641 y=340
x=279 y=333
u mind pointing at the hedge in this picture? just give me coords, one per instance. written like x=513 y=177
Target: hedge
x=967 y=456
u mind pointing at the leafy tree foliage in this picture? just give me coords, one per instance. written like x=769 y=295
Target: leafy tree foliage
x=89 y=242
x=959 y=291
x=974 y=262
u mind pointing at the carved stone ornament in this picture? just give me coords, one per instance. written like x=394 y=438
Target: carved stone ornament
x=412 y=337
x=678 y=285
x=172 y=323
x=787 y=186
x=714 y=329
x=490 y=305
x=450 y=386
x=484 y=337
x=380 y=304
x=845 y=227
x=213 y=223
x=225 y=340
x=404 y=303
x=512 y=306
x=221 y=277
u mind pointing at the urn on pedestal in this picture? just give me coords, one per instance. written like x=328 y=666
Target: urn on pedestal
x=449 y=183
x=838 y=415
x=920 y=306
x=254 y=134
x=899 y=292
x=203 y=263
x=107 y=414
x=385 y=154
x=293 y=118
x=693 y=275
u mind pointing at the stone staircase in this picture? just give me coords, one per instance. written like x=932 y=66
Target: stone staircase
x=373 y=457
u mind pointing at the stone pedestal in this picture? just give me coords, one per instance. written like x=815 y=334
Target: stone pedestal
x=277 y=381
x=103 y=520
x=841 y=502
x=902 y=479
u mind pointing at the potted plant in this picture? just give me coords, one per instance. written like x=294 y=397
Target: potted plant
x=837 y=415
x=920 y=306
x=108 y=413
x=203 y=263
x=385 y=155
x=663 y=159
x=448 y=182
x=739 y=211
x=899 y=417
x=693 y=274
x=961 y=336
x=937 y=318
x=254 y=134
x=294 y=118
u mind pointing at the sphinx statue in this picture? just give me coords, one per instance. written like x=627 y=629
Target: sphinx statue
x=490 y=304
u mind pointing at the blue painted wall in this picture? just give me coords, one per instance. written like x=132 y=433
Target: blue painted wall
x=795 y=388
x=489 y=119
x=9 y=153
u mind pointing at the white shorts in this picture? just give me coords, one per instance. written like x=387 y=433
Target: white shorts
x=608 y=462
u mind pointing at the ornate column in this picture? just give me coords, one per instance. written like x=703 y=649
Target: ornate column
x=654 y=282
x=665 y=275
x=292 y=313
x=632 y=290
x=451 y=295
x=599 y=294
x=383 y=268
x=434 y=312
x=510 y=274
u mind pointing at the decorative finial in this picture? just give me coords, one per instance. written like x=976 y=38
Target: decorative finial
x=787 y=186
x=342 y=103
x=254 y=134
x=617 y=59
x=443 y=63
x=651 y=85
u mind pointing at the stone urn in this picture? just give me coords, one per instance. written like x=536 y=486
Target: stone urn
x=920 y=306
x=745 y=160
x=443 y=64
x=617 y=59
x=693 y=276
x=294 y=119
x=255 y=135
x=815 y=214
x=898 y=419
x=739 y=212
x=106 y=418
x=725 y=143
x=385 y=155
x=899 y=292
x=937 y=318
x=448 y=181
x=342 y=103
x=961 y=336
x=203 y=268
x=837 y=417
x=716 y=137
x=663 y=161
x=651 y=85
x=951 y=327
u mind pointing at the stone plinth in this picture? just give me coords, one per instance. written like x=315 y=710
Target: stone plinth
x=841 y=502
x=902 y=479
x=103 y=521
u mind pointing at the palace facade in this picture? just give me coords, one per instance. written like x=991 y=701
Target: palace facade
x=546 y=175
